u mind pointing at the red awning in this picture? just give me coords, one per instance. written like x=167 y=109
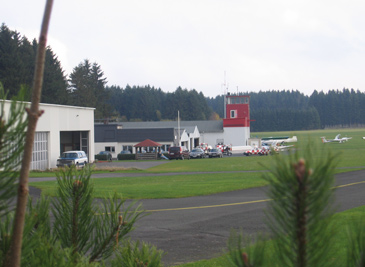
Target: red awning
x=148 y=143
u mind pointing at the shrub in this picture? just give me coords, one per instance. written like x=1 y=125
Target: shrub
x=101 y=157
x=84 y=233
x=126 y=156
x=136 y=254
x=299 y=215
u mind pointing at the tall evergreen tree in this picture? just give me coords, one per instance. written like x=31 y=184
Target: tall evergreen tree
x=12 y=67
x=87 y=88
x=17 y=61
x=54 y=89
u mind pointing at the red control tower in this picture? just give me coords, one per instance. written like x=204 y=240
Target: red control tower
x=236 y=111
x=236 y=122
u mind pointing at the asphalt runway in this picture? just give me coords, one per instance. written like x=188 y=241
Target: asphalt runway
x=196 y=228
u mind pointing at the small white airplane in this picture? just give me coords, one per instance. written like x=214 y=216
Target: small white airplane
x=268 y=141
x=337 y=139
x=277 y=146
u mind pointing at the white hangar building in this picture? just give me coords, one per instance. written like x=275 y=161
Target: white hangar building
x=60 y=128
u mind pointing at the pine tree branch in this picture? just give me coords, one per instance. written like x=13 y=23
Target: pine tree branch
x=115 y=230
x=301 y=212
x=33 y=115
x=75 y=212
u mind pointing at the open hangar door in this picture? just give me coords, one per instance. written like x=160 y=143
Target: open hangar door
x=74 y=140
x=196 y=142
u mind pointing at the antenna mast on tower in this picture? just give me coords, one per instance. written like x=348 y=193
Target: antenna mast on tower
x=224 y=85
x=225 y=93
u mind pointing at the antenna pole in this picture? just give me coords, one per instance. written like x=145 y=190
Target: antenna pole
x=178 y=128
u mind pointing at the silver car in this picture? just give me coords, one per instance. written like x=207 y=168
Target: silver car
x=197 y=153
x=215 y=153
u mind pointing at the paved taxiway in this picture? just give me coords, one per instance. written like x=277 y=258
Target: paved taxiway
x=195 y=228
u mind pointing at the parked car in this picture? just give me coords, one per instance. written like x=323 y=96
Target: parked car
x=197 y=153
x=69 y=158
x=179 y=152
x=105 y=155
x=215 y=153
x=205 y=147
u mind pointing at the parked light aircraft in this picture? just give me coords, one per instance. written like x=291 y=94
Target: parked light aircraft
x=337 y=139
x=269 y=141
x=276 y=146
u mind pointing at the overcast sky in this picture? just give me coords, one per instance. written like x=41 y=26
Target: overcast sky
x=248 y=45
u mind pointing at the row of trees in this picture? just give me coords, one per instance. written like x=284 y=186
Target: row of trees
x=146 y=103
x=17 y=61
x=87 y=86
x=292 y=110
x=84 y=87
x=344 y=108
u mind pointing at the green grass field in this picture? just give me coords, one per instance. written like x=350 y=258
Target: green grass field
x=177 y=186
x=351 y=153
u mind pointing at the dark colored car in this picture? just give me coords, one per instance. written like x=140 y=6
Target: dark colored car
x=215 y=153
x=179 y=152
x=109 y=156
x=197 y=153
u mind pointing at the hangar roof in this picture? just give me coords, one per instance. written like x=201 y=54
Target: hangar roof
x=203 y=126
x=110 y=133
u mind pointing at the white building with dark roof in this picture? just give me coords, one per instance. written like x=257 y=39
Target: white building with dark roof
x=233 y=130
x=116 y=137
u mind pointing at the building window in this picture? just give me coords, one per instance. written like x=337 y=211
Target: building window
x=165 y=147
x=110 y=148
x=233 y=114
x=129 y=148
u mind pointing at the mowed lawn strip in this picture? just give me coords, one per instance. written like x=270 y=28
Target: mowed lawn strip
x=40 y=174
x=254 y=163
x=176 y=186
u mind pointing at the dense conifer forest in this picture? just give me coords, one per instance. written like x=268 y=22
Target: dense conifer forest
x=87 y=86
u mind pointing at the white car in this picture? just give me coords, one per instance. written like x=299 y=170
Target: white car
x=68 y=158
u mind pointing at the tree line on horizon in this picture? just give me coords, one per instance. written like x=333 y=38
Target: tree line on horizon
x=87 y=86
